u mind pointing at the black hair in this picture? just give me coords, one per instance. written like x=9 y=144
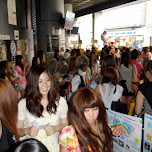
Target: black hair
x=107 y=51
x=28 y=145
x=40 y=55
x=34 y=62
x=125 y=59
x=2 y=69
x=134 y=54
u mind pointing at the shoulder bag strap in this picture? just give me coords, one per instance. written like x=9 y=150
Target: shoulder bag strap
x=119 y=74
x=101 y=92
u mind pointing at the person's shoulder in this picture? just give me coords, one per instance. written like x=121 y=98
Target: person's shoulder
x=66 y=133
x=67 y=137
x=17 y=68
x=61 y=99
x=140 y=65
x=62 y=103
x=67 y=129
x=145 y=85
x=76 y=76
x=22 y=102
x=119 y=87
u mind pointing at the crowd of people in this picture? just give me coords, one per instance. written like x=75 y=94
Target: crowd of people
x=59 y=103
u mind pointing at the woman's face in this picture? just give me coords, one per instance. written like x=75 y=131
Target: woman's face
x=84 y=69
x=94 y=58
x=148 y=75
x=38 y=60
x=44 y=84
x=91 y=115
x=43 y=57
x=88 y=53
x=10 y=67
x=22 y=60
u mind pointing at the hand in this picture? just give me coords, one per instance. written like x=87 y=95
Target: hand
x=117 y=130
x=62 y=82
x=25 y=64
x=17 y=80
x=134 y=88
x=92 y=79
x=32 y=131
x=50 y=130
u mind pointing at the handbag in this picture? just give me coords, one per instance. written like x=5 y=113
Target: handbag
x=118 y=106
x=123 y=84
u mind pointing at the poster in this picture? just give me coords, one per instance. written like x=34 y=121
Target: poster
x=55 y=42
x=16 y=34
x=22 y=47
x=11 y=7
x=147 y=143
x=132 y=127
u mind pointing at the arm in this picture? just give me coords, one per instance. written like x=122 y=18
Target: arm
x=24 y=72
x=50 y=130
x=64 y=122
x=32 y=131
x=87 y=79
x=139 y=102
x=63 y=149
x=97 y=89
x=98 y=70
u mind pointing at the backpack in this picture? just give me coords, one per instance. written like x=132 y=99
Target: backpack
x=82 y=84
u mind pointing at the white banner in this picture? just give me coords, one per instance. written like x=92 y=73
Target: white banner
x=132 y=127
x=147 y=143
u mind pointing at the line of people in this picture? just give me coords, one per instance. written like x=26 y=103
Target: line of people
x=79 y=124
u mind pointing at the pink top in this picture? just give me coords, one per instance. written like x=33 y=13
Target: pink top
x=138 y=66
x=23 y=78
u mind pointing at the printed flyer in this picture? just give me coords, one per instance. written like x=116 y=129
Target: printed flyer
x=132 y=127
x=11 y=6
x=147 y=144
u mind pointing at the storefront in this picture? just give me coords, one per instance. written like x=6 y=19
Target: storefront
x=127 y=25
x=125 y=37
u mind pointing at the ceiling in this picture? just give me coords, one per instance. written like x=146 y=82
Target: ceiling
x=82 y=4
x=83 y=7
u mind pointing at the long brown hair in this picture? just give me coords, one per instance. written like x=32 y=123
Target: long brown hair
x=8 y=106
x=110 y=75
x=100 y=141
x=10 y=72
x=33 y=95
x=72 y=64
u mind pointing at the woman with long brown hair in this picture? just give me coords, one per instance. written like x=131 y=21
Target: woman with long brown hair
x=43 y=113
x=109 y=90
x=88 y=130
x=8 y=115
